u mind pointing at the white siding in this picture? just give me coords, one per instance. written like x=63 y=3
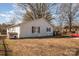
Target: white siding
x=26 y=28
x=14 y=29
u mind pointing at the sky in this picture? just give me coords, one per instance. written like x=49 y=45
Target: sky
x=4 y=10
x=5 y=7
x=8 y=11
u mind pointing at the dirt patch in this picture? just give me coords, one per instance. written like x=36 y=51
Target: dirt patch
x=44 y=47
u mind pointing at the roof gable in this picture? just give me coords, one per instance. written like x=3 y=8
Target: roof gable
x=32 y=21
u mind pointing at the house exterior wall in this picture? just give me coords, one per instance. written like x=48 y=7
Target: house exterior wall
x=26 y=28
x=13 y=30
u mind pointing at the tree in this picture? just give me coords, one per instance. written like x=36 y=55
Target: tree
x=13 y=21
x=3 y=28
x=37 y=11
x=69 y=13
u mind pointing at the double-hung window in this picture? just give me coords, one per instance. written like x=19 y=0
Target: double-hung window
x=35 y=29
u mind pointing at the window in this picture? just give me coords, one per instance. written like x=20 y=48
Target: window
x=48 y=29
x=35 y=29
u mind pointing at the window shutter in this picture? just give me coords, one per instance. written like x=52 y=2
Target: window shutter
x=38 y=29
x=32 y=29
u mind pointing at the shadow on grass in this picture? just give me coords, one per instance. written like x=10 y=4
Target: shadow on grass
x=8 y=52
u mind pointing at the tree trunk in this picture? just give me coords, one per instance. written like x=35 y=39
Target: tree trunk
x=70 y=25
x=70 y=19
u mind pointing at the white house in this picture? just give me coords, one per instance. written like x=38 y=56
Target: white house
x=34 y=28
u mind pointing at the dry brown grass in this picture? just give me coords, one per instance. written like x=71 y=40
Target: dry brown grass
x=43 y=46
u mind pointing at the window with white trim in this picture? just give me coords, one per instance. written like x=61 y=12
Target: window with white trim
x=35 y=29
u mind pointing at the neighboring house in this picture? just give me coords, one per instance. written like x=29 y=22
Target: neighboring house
x=74 y=29
x=34 y=28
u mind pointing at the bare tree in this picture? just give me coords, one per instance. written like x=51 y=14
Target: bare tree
x=69 y=13
x=13 y=21
x=37 y=11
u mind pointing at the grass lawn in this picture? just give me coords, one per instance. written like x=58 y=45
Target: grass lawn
x=1 y=47
x=44 y=46
x=2 y=50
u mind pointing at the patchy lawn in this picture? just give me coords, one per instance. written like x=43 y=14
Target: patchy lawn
x=44 y=46
x=2 y=53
